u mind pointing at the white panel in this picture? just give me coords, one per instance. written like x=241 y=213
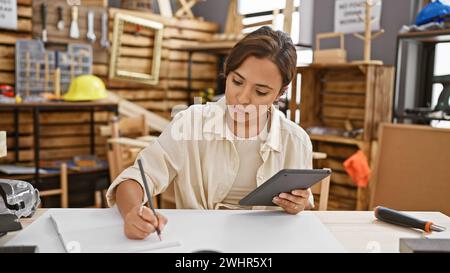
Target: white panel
x=306 y=22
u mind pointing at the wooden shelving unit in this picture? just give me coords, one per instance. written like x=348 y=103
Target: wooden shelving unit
x=415 y=61
x=333 y=95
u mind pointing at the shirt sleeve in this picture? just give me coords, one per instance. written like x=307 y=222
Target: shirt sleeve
x=162 y=160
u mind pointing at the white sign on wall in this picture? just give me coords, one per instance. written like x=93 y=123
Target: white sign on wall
x=8 y=14
x=349 y=16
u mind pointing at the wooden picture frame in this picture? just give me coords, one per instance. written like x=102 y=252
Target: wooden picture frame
x=118 y=74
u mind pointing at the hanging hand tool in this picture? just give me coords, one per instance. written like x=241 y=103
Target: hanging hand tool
x=37 y=71
x=91 y=34
x=74 y=30
x=57 y=77
x=72 y=65
x=104 y=42
x=27 y=73
x=46 y=73
x=60 y=24
x=80 y=63
x=397 y=218
x=44 y=21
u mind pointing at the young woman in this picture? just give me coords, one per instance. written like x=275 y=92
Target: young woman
x=217 y=153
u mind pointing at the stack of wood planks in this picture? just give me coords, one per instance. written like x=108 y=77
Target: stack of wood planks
x=343 y=96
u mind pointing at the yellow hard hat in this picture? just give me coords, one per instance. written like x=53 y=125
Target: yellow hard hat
x=86 y=87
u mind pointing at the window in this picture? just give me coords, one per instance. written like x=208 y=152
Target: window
x=441 y=67
x=258 y=13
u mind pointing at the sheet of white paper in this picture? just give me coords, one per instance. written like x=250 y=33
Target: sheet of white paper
x=8 y=14
x=102 y=231
x=347 y=16
x=85 y=230
x=221 y=231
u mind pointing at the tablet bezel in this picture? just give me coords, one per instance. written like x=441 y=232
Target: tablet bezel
x=277 y=184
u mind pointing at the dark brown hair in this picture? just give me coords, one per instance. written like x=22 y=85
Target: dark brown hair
x=265 y=42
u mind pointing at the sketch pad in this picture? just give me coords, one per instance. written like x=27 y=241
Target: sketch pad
x=102 y=231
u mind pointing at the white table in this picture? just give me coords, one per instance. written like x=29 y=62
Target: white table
x=357 y=231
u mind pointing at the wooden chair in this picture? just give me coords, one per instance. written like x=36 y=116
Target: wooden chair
x=322 y=189
x=122 y=151
x=63 y=189
x=120 y=156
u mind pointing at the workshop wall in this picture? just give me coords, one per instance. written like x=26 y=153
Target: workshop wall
x=323 y=21
x=393 y=17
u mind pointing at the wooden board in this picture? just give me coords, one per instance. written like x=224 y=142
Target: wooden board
x=412 y=169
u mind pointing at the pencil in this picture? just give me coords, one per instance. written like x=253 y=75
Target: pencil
x=147 y=192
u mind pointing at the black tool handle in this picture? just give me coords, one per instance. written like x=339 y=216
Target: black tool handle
x=397 y=218
x=56 y=59
x=60 y=13
x=44 y=15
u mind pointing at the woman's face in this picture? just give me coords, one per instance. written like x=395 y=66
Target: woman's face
x=257 y=82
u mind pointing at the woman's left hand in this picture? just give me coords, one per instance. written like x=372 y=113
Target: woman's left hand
x=293 y=202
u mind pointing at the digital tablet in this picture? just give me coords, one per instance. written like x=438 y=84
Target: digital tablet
x=283 y=181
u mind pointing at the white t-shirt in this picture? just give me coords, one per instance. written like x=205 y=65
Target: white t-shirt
x=249 y=162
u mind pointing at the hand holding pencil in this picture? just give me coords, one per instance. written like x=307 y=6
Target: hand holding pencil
x=149 y=201
x=140 y=221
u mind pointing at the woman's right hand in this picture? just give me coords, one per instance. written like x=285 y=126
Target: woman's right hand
x=140 y=222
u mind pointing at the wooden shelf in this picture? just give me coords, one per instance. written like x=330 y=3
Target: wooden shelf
x=62 y=104
x=55 y=173
x=337 y=139
x=212 y=46
x=420 y=118
x=427 y=36
x=336 y=66
x=337 y=94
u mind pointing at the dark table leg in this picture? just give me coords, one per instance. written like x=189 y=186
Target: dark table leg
x=92 y=132
x=16 y=134
x=36 y=134
x=190 y=78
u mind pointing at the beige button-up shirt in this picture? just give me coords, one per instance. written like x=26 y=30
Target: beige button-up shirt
x=197 y=154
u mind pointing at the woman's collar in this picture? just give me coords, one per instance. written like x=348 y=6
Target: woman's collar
x=215 y=112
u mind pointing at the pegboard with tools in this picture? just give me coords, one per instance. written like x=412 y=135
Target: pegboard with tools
x=38 y=70
x=58 y=22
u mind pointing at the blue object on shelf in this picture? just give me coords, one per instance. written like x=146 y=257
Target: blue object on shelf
x=438 y=11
